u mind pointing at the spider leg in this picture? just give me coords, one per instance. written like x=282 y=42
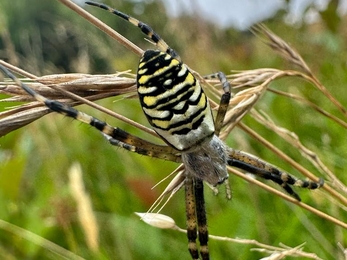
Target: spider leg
x=265 y=170
x=191 y=217
x=146 y=29
x=196 y=217
x=224 y=102
x=201 y=218
x=115 y=135
x=135 y=144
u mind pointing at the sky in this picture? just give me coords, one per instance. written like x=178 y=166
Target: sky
x=242 y=14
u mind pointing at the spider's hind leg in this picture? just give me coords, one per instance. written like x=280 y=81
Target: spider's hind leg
x=191 y=217
x=201 y=218
x=265 y=170
x=196 y=218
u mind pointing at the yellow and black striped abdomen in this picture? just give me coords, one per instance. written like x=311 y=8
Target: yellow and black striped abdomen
x=173 y=100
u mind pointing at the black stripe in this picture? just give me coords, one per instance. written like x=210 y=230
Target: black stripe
x=186 y=130
x=171 y=104
x=153 y=60
x=186 y=121
x=100 y=125
x=61 y=108
x=171 y=110
x=195 y=125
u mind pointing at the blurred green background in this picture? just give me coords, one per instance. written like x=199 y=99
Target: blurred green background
x=44 y=37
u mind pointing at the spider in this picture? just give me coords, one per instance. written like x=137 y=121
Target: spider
x=178 y=110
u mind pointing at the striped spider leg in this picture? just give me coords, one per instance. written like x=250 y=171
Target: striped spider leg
x=178 y=110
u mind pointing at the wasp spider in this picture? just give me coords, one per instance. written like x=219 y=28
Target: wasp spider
x=178 y=109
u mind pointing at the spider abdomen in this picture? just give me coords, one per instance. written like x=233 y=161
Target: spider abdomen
x=173 y=100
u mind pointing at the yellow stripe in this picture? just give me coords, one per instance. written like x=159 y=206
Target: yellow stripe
x=150 y=101
x=143 y=79
x=145 y=90
x=161 y=124
x=202 y=102
x=142 y=71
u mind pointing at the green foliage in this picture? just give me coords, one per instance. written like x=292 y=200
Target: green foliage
x=34 y=161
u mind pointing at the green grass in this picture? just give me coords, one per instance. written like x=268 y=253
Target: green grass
x=35 y=193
